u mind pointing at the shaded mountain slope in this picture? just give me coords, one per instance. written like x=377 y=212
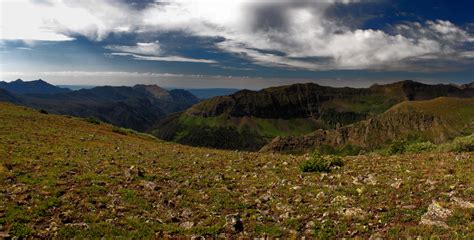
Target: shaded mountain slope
x=31 y=87
x=65 y=178
x=436 y=120
x=259 y=116
x=6 y=96
x=137 y=107
x=206 y=93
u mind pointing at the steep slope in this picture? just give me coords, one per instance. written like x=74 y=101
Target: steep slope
x=31 y=87
x=62 y=178
x=206 y=93
x=258 y=117
x=138 y=107
x=6 y=96
x=436 y=120
x=468 y=85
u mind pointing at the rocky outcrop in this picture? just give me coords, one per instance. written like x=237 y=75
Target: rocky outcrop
x=267 y=113
x=312 y=100
x=408 y=119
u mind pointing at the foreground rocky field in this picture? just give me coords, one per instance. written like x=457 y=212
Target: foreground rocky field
x=67 y=177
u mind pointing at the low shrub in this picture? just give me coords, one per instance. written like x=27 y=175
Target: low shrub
x=123 y=131
x=419 y=147
x=459 y=144
x=321 y=163
x=42 y=111
x=92 y=120
x=397 y=147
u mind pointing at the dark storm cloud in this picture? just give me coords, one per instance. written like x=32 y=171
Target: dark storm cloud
x=139 y=4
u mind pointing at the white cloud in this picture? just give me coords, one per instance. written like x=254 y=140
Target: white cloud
x=60 y=20
x=290 y=34
x=151 y=48
x=164 y=58
x=150 y=52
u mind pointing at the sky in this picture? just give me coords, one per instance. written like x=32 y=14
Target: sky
x=235 y=43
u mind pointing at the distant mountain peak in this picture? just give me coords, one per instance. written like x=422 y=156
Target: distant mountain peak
x=31 y=87
x=155 y=90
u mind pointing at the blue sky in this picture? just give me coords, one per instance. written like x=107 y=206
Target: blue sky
x=240 y=44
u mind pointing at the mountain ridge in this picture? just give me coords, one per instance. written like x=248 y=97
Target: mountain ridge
x=269 y=113
x=138 y=107
x=31 y=87
x=437 y=120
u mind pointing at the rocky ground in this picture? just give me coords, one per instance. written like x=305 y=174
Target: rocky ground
x=64 y=177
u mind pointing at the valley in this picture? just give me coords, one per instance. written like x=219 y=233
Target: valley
x=255 y=118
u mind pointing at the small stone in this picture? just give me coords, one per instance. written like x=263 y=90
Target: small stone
x=436 y=215
x=198 y=238
x=234 y=222
x=397 y=183
x=370 y=180
x=320 y=195
x=4 y=235
x=265 y=197
x=354 y=213
x=310 y=225
x=187 y=225
x=461 y=203
x=285 y=215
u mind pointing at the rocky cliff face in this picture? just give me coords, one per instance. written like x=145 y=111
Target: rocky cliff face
x=264 y=113
x=312 y=100
x=408 y=119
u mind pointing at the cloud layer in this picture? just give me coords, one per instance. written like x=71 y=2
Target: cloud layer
x=287 y=34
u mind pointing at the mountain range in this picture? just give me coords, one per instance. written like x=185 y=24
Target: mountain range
x=138 y=107
x=31 y=87
x=293 y=118
x=250 y=119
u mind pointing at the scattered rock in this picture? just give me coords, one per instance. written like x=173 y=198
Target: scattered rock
x=461 y=203
x=80 y=225
x=234 y=222
x=285 y=215
x=353 y=213
x=310 y=225
x=376 y=236
x=436 y=215
x=265 y=197
x=149 y=185
x=4 y=235
x=197 y=238
x=320 y=195
x=133 y=172
x=219 y=178
x=187 y=225
x=296 y=188
x=370 y=180
x=341 y=199
x=397 y=183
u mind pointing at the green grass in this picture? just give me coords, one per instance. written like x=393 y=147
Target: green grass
x=321 y=163
x=66 y=178
x=459 y=144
